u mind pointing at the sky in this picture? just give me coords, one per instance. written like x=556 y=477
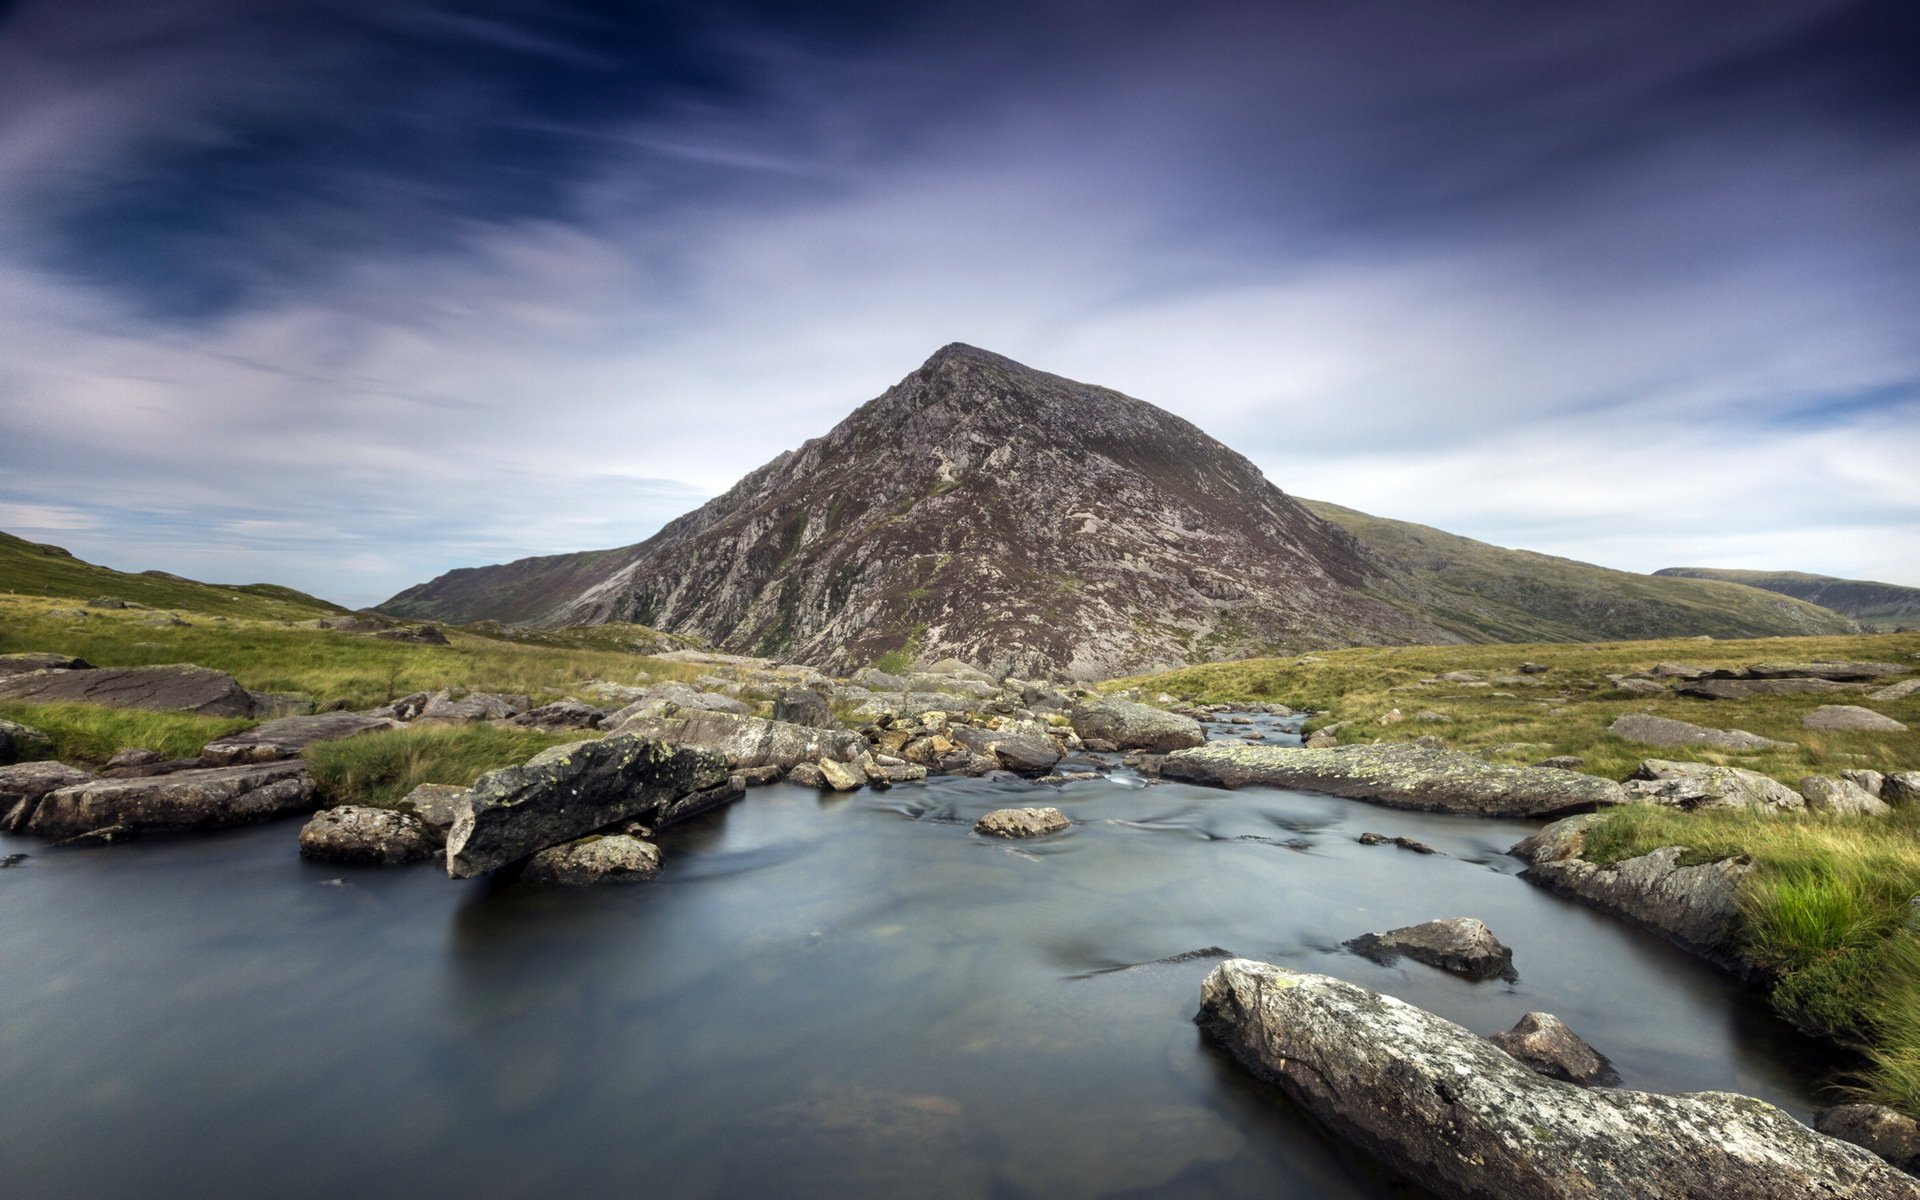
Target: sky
x=343 y=294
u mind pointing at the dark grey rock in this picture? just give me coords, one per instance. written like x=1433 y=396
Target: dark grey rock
x=562 y=715
x=378 y=837
x=804 y=706
x=1543 y=1042
x=1405 y=843
x=1901 y=787
x=1464 y=1120
x=288 y=736
x=436 y=804
x=136 y=756
x=1837 y=671
x=23 y=743
x=1650 y=730
x=23 y=785
x=475 y=706
x=1463 y=945
x=178 y=688
x=1745 y=689
x=197 y=799
x=1016 y=749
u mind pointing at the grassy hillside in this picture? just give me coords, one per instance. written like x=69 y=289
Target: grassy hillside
x=1883 y=606
x=1490 y=593
x=32 y=569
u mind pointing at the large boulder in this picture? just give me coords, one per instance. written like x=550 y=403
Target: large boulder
x=24 y=785
x=1692 y=785
x=1131 y=726
x=1463 y=945
x=748 y=741
x=380 y=837
x=1695 y=905
x=1545 y=1043
x=204 y=799
x=570 y=791
x=288 y=736
x=23 y=743
x=1464 y=1120
x=1650 y=730
x=613 y=858
x=1850 y=718
x=1399 y=775
x=180 y=688
x=1842 y=797
x=1026 y=750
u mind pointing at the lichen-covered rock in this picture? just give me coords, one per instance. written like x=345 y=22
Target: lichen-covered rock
x=1132 y=726
x=288 y=736
x=179 y=688
x=570 y=791
x=1464 y=1120
x=1021 y=822
x=24 y=785
x=1399 y=775
x=23 y=743
x=1463 y=945
x=1696 y=906
x=842 y=777
x=1693 y=785
x=613 y=858
x=437 y=804
x=1891 y=1135
x=1841 y=797
x=1896 y=691
x=475 y=706
x=1650 y=730
x=748 y=741
x=197 y=799
x=354 y=833
x=1850 y=718
x=1545 y=1043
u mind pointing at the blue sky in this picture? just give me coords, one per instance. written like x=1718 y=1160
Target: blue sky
x=343 y=294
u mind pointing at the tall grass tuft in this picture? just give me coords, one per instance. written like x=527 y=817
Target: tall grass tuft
x=381 y=768
x=88 y=734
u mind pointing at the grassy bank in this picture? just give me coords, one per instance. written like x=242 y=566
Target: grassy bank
x=87 y=735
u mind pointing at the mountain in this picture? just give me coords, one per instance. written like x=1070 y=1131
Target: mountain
x=1021 y=521
x=1873 y=605
x=1489 y=593
x=37 y=569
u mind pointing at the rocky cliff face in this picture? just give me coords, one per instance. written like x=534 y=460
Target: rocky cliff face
x=988 y=511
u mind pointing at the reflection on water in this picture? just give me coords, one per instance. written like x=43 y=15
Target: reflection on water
x=826 y=997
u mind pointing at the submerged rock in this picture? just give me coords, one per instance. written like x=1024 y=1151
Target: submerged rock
x=570 y=791
x=1131 y=726
x=288 y=736
x=1399 y=775
x=354 y=833
x=1021 y=822
x=198 y=799
x=1543 y=1042
x=614 y=858
x=179 y=688
x=1692 y=785
x=1463 y=945
x=1464 y=1120
x=1650 y=730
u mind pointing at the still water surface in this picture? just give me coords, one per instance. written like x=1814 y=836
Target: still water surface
x=821 y=996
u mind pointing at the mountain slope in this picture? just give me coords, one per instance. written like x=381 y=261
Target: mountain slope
x=1873 y=605
x=35 y=569
x=1489 y=593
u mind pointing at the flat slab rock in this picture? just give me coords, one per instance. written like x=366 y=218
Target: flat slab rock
x=1743 y=689
x=1650 y=730
x=1021 y=822
x=355 y=833
x=1399 y=775
x=23 y=785
x=288 y=736
x=20 y=664
x=1850 y=718
x=202 y=799
x=1463 y=945
x=179 y=688
x=1462 y=1118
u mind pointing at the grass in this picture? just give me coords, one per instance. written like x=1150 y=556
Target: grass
x=381 y=768
x=35 y=569
x=88 y=734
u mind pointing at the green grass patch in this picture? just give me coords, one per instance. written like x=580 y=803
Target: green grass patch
x=36 y=569
x=381 y=768
x=88 y=734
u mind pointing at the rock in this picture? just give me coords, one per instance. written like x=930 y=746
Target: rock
x=354 y=833
x=20 y=664
x=475 y=706
x=1399 y=775
x=956 y=669
x=1896 y=691
x=1543 y=1041
x=1133 y=726
x=1695 y=906
x=23 y=743
x=748 y=741
x=804 y=706
x=436 y=804
x=1837 y=671
x=1673 y=670
x=1024 y=750
x=1405 y=843
x=668 y=699
x=23 y=785
x=808 y=775
x=107 y=602
x=1462 y=945
x=197 y=799
x=135 y=756
x=1901 y=787
x=288 y=736
x=1650 y=730
x=1463 y=1119
x=1841 y=797
x=876 y=680
x=613 y=858
x=1459 y=677
x=761 y=776
x=1533 y=668
x=1744 y=689
x=179 y=688
x=1321 y=739
x=841 y=777
x=1021 y=822
x=1428 y=714
x=1641 y=687
x=1892 y=1136
x=570 y=791
x=1691 y=785
x=562 y=715
x=1563 y=762
x=1850 y=718
x=1873 y=781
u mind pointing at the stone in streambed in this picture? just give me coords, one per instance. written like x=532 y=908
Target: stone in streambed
x=196 y=799
x=1543 y=1042
x=1021 y=822
x=1462 y=945
x=354 y=833
x=614 y=858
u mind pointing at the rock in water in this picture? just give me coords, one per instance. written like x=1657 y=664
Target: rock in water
x=1462 y=945
x=207 y=799
x=354 y=833
x=1133 y=726
x=288 y=736
x=1021 y=822
x=1691 y=785
x=165 y=689
x=1399 y=775
x=1660 y=731
x=615 y=858
x=1466 y=1121
x=1543 y=1042
x=570 y=791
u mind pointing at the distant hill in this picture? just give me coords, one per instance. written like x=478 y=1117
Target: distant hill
x=1883 y=606
x=1026 y=522
x=36 y=569
x=1489 y=593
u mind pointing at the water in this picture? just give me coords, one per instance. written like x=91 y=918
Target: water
x=821 y=996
